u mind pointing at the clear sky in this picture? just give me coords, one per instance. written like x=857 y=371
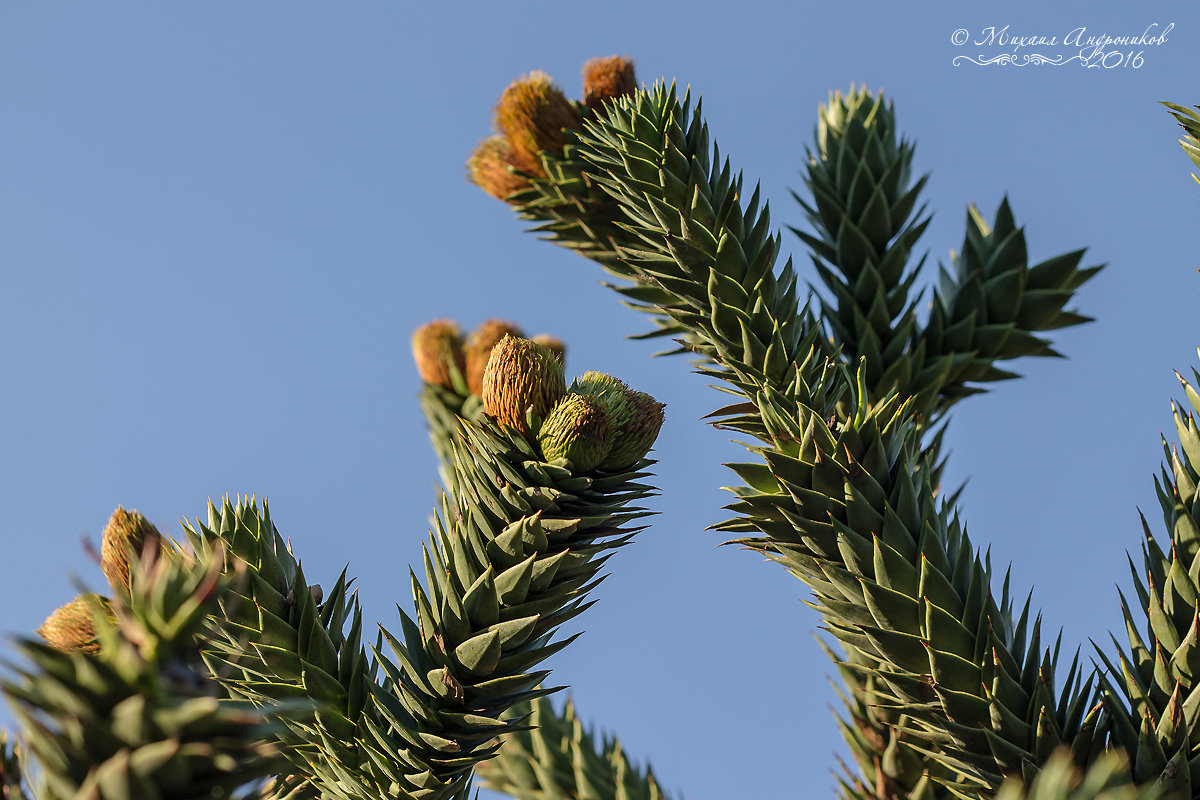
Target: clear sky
x=220 y=222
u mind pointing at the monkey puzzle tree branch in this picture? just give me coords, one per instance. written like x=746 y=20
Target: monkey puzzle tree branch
x=515 y=768
x=1189 y=120
x=1061 y=779
x=650 y=154
x=558 y=756
x=512 y=557
x=133 y=718
x=1152 y=691
x=868 y=218
x=504 y=570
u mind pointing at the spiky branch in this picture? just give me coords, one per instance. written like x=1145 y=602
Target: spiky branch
x=221 y=672
x=138 y=716
x=705 y=269
x=557 y=757
x=513 y=554
x=544 y=485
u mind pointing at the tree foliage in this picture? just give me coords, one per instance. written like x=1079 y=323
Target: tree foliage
x=214 y=669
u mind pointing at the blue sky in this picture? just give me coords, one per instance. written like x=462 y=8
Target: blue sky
x=220 y=222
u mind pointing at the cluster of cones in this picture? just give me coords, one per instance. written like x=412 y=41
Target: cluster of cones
x=597 y=422
x=447 y=358
x=128 y=535
x=532 y=117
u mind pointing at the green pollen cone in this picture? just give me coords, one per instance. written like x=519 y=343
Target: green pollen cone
x=604 y=387
x=636 y=435
x=578 y=430
x=636 y=417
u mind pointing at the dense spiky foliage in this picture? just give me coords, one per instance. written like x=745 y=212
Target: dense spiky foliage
x=948 y=689
x=138 y=716
x=1189 y=121
x=994 y=302
x=847 y=497
x=221 y=672
x=512 y=557
x=1152 y=687
x=865 y=212
x=558 y=756
x=516 y=547
x=629 y=421
x=1061 y=779
x=306 y=642
x=867 y=217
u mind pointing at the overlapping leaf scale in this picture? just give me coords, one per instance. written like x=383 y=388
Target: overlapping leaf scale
x=575 y=213
x=795 y=362
x=672 y=259
x=1061 y=779
x=142 y=719
x=559 y=757
x=994 y=303
x=582 y=766
x=848 y=508
x=442 y=407
x=887 y=765
x=1189 y=120
x=660 y=197
x=1154 y=687
x=864 y=210
x=509 y=561
x=698 y=256
x=277 y=640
